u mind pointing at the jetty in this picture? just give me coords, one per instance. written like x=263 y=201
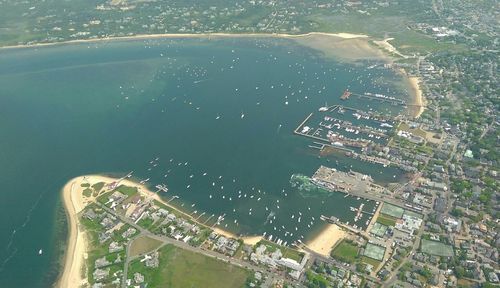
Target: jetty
x=374 y=96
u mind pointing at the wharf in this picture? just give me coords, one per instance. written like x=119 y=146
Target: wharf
x=370 y=159
x=342 y=181
x=348 y=125
x=381 y=98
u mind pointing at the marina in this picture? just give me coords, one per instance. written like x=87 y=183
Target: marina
x=341 y=127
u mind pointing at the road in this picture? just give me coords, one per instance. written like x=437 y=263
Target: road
x=185 y=246
x=393 y=275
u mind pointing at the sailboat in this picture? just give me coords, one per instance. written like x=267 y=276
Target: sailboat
x=324 y=108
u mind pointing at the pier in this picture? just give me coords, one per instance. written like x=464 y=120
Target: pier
x=296 y=131
x=374 y=96
x=336 y=221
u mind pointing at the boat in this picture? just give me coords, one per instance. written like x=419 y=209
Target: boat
x=345 y=95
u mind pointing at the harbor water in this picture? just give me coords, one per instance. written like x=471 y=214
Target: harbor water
x=212 y=119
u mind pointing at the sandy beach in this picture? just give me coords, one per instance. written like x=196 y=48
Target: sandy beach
x=74 y=202
x=74 y=257
x=418 y=99
x=324 y=241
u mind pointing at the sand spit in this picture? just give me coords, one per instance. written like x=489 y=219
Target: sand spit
x=74 y=203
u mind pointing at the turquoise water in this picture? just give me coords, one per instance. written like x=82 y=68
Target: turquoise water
x=226 y=108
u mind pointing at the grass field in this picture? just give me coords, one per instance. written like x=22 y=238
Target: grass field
x=143 y=244
x=345 y=251
x=436 y=248
x=182 y=268
x=373 y=262
x=386 y=220
x=127 y=190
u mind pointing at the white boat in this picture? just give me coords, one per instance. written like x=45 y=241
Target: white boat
x=323 y=109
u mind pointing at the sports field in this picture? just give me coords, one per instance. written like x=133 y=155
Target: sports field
x=392 y=210
x=374 y=251
x=436 y=248
x=378 y=229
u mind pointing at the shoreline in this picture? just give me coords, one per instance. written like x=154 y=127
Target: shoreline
x=418 y=99
x=327 y=239
x=188 y=35
x=385 y=45
x=385 y=48
x=76 y=245
x=74 y=203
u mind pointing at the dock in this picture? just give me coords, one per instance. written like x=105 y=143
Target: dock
x=296 y=131
x=374 y=96
x=336 y=180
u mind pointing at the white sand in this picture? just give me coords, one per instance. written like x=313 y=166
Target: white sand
x=418 y=99
x=74 y=257
x=324 y=242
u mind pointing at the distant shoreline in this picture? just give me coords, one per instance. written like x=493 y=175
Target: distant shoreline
x=189 y=35
x=382 y=45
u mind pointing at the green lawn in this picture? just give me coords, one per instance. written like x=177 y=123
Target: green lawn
x=87 y=192
x=98 y=186
x=386 y=220
x=345 y=251
x=182 y=268
x=129 y=191
x=371 y=261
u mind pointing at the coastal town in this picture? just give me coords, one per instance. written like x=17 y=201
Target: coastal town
x=419 y=233
x=434 y=224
